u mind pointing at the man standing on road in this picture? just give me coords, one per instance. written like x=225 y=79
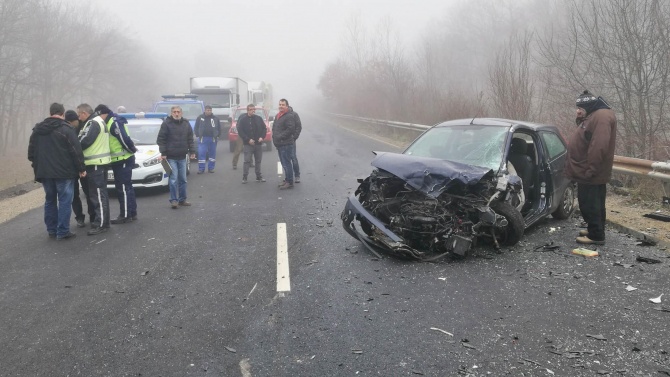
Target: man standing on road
x=94 y=140
x=122 y=151
x=251 y=130
x=207 y=131
x=175 y=141
x=57 y=161
x=589 y=163
x=73 y=119
x=294 y=158
x=283 y=137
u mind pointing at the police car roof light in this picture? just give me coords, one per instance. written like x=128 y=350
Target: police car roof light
x=179 y=96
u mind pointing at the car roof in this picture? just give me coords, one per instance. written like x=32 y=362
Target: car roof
x=499 y=122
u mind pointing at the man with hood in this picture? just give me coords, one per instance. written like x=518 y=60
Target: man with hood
x=57 y=161
x=175 y=141
x=207 y=131
x=94 y=140
x=122 y=151
x=589 y=163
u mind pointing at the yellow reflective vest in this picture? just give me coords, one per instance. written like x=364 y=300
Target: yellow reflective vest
x=116 y=150
x=98 y=152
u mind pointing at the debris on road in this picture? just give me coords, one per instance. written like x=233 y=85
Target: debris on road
x=656 y=300
x=647 y=260
x=597 y=337
x=232 y=350
x=585 y=252
x=630 y=288
x=442 y=331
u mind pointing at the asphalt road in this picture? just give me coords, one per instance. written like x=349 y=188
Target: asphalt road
x=193 y=291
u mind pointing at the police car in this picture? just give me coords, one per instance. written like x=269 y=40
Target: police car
x=148 y=171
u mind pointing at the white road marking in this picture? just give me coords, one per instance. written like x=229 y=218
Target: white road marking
x=245 y=368
x=283 y=278
x=280 y=170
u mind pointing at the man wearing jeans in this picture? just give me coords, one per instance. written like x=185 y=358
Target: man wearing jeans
x=175 y=141
x=57 y=161
x=283 y=137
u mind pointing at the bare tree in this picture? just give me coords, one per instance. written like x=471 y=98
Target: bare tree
x=620 y=49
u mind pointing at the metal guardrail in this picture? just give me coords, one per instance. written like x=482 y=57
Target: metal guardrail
x=622 y=165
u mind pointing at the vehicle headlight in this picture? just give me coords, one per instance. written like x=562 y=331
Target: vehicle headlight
x=154 y=160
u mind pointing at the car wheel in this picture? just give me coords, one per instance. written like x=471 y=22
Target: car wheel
x=268 y=146
x=567 y=205
x=232 y=147
x=512 y=233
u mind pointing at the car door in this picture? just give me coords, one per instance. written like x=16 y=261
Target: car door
x=556 y=152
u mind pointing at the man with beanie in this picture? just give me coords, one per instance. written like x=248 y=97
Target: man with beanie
x=94 y=139
x=73 y=119
x=207 y=130
x=57 y=161
x=589 y=163
x=122 y=151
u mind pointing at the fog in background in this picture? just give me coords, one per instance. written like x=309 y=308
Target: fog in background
x=286 y=43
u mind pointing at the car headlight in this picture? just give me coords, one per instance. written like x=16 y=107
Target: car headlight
x=154 y=160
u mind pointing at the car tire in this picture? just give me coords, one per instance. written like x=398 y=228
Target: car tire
x=232 y=147
x=515 y=224
x=567 y=205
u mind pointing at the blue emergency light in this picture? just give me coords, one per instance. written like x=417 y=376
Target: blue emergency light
x=179 y=96
x=141 y=115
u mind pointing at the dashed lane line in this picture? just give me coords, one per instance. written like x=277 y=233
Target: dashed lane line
x=283 y=278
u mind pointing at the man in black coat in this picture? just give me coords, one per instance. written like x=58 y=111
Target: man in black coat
x=57 y=161
x=175 y=141
x=283 y=137
x=251 y=130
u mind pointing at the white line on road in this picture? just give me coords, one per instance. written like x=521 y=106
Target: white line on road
x=245 y=368
x=280 y=170
x=283 y=278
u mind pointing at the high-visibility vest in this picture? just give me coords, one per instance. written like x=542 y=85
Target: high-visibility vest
x=98 y=152
x=116 y=150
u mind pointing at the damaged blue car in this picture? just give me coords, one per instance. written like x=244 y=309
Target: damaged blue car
x=461 y=183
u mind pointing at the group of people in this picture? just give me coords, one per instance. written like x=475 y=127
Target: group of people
x=83 y=145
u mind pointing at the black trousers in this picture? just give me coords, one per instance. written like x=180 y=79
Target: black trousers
x=97 y=191
x=123 y=181
x=591 y=200
x=76 y=201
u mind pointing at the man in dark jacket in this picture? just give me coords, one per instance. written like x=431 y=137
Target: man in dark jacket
x=175 y=142
x=207 y=131
x=589 y=163
x=283 y=137
x=57 y=161
x=251 y=130
x=73 y=119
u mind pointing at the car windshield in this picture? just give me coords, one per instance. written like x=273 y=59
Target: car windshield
x=190 y=111
x=143 y=133
x=469 y=144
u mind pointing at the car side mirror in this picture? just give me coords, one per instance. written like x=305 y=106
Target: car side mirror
x=271 y=118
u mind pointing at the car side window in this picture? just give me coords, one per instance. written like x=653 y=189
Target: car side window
x=555 y=146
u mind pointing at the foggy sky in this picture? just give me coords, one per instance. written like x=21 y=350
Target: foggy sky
x=285 y=42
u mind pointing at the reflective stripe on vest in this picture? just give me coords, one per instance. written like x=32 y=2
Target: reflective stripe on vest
x=98 y=152
x=116 y=150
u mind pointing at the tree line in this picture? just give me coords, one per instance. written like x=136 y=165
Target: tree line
x=54 y=52
x=525 y=60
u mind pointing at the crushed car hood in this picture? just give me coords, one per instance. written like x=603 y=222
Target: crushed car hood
x=431 y=176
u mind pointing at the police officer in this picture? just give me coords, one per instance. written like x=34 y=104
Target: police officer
x=94 y=140
x=122 y=151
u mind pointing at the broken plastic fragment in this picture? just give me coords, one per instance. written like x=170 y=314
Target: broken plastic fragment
x=630 y=288
x=656 y=300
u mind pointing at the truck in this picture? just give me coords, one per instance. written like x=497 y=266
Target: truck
x=260 y=94
x=224 y=94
